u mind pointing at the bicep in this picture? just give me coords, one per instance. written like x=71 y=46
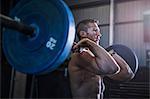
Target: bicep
x=125 y=71
x=104 y=60
x=107 y=65
x=100 y=66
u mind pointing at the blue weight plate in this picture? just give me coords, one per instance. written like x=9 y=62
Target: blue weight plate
x=127 y=54
x=50 y=44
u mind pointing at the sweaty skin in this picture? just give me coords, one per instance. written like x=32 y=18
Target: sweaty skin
x=86 y=71
x=91 y=62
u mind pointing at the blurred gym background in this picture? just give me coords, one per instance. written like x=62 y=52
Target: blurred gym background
x=124 y=22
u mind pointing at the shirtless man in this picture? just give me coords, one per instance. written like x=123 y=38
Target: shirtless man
x=90 y=63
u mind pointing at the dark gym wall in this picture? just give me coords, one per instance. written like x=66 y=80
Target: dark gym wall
x=5 y=68
x=5 y=7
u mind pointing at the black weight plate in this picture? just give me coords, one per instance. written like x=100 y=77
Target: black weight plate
x=127 y=54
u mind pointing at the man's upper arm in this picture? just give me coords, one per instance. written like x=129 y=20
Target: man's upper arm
x=125 y=73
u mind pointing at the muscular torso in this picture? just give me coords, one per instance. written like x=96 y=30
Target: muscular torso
x=84 y=81
x=87 y=68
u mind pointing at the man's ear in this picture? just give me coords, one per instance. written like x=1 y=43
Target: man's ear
x=83 y=34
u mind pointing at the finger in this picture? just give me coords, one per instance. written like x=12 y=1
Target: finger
x=76 y=46
x=74 y=43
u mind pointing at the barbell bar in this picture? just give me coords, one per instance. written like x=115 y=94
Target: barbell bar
x=15 y=25
x=44 y=37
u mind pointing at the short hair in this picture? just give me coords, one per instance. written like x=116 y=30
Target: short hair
x=83 y=25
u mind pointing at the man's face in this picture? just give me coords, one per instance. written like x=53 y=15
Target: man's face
x=93 y=32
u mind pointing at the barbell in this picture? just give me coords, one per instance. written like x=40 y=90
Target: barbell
x=41 y=36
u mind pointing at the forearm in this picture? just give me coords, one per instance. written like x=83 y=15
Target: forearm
x=97 y=50
x=125 y=73
x=104 y=60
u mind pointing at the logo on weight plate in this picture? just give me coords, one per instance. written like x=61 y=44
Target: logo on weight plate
x=51 y=43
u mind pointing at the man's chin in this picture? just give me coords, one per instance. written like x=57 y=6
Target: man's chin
x=96 y=41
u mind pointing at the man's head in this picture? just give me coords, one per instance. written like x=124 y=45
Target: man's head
x=89 y=29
